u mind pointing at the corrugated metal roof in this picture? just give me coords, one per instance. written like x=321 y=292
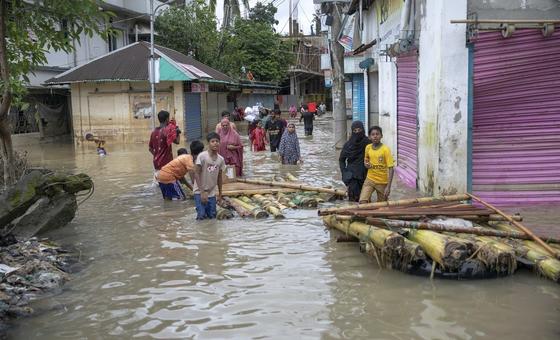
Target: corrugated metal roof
x=130 y=63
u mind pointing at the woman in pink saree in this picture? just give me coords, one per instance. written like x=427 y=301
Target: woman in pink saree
x=231 y=147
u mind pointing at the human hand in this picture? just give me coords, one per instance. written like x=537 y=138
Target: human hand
x=204 y=197
x=300 y=161
x=231 y=147
x=219 y=198
x=367 y=164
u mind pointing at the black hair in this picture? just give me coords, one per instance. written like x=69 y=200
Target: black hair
x=277 y=111
x=162 y=116
x=212 y=135
x=375 y=127
x=182 y=151
x=225 y=113
x=196 y=147
x=305 y=107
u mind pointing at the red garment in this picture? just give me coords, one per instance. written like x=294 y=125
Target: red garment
x=229 y=136
x=258 y=139
x=160 y=145
x=312 y=107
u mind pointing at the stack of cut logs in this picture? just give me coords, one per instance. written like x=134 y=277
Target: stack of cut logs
x=445 y=237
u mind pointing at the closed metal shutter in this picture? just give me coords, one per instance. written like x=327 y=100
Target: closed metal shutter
x=192 y=116
x=516 y=117
x=358 y=98
x=407 y=121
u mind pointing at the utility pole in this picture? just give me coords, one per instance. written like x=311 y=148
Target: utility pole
x=152 y=67
x=290 y=25
x=338 y=87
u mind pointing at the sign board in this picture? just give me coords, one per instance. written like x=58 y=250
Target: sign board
x=328 y=78
x=199 y=87
x=326 y=61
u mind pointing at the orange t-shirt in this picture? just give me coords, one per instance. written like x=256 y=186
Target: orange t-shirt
x=176 y=169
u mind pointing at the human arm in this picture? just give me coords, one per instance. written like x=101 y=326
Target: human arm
x=367 y=163
x=219 y=185
x=186 y=183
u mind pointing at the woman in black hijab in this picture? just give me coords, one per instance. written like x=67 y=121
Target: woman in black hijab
x=352 y=161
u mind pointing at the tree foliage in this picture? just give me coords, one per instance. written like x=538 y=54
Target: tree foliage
x=190 y=30
x=264 y=13
x=255 y=46
x=28 y=30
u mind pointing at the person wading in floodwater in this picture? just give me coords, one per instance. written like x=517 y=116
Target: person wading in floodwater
x=379 y=161
x=351 y=161
x=307 y=118
x=161 y=140
x=275 y=128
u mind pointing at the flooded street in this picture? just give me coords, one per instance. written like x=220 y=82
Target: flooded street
x=152 y=271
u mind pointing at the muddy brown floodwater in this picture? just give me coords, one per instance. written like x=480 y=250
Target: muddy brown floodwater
x=154 y=272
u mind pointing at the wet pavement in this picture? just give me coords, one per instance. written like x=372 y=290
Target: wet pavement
x=154 y=272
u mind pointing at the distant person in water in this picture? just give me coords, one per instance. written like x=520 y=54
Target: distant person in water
x=209 y=168
x=258 y=138
x=307 y=118
x=379 y=162
x=231 y=147
x=351 y=161
x=289 y=146
x=275 y=129
x=225 y=114
x=162 y=139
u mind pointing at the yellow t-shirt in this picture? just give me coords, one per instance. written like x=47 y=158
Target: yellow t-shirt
x=381 y=160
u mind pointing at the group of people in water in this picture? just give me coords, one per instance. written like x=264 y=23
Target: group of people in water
x=366 y=164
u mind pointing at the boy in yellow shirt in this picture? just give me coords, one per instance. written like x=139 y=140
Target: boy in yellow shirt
x=379 y=162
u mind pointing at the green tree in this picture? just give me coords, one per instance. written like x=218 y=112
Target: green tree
x=232 y=10
x=190 y=30
x=28 y=30
x=264 y=13
x=255 y=46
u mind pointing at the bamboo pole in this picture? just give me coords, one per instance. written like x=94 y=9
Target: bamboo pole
x=240 y=209
x=404 y=202
x=244 y=192
x=269 y=206
x=223 y=214
x=253 y=210
x=293 y=186
x=448 y=251
x=381 y=222
x=518 y=225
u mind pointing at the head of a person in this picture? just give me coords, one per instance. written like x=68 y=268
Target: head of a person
x=357 y=128
x=375 y=134
x=224 y=124
x=305 y=107
x=259 y=123
x=182 y=151
x=163 y=116
x=196 y=147
x=277 y=113
x=213 y=141
x=291 y=128
x=226 y=114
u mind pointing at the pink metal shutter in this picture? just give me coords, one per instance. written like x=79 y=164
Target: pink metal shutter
x=407 y=94
x=516 y=117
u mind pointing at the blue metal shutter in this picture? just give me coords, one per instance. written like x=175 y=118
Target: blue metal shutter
x=193 y=125
x=358 y=98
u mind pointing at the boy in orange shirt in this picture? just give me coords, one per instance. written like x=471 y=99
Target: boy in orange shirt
x=174 y=172
x=379 y=162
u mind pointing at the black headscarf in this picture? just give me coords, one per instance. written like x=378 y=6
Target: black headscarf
x=355 y=147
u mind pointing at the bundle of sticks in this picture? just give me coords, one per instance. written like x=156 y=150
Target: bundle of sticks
x=447 y=233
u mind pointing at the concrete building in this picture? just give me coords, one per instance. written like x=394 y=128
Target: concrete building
x=52 y=104
x=467 y=107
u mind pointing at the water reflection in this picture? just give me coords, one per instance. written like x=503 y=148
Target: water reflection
x=153 y=271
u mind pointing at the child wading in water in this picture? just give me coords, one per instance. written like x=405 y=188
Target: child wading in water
x=379 y=162
x=258 y=138
x=209 y=168
x=289 y=146
x=170 y=176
